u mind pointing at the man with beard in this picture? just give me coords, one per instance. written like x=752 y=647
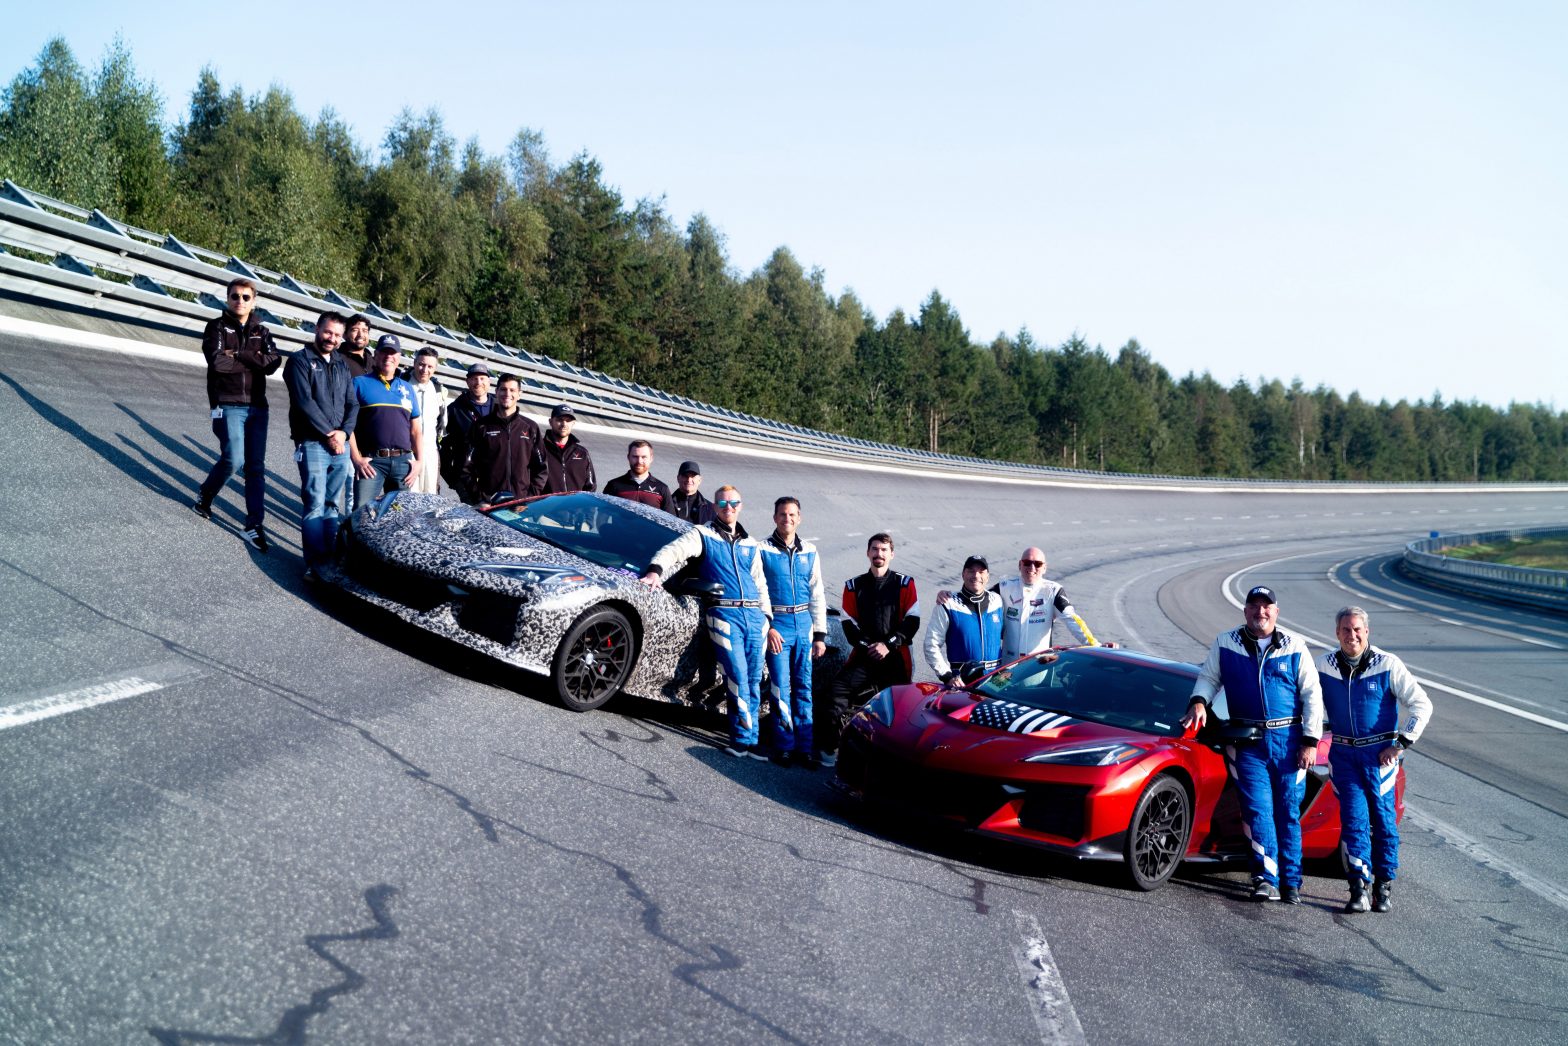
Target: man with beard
x=965 y=637
x=355 y=351
x=568 y=466
x=322 y=412
x=881 y=618
x=638 y=483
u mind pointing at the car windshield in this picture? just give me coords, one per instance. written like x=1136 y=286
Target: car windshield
x=1121 y=693
x=600 y=531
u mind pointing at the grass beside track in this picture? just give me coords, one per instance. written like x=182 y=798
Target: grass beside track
x=1540 y=553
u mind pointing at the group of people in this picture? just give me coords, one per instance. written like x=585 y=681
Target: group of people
x=350 y=410
x=1374 y=707
x=354 y=414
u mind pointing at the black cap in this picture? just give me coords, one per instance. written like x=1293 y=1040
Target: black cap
x=689 y=468
x=976 y=561
x=479 y=368
x=388 y=343
x=1262 y=592
x=564 y=410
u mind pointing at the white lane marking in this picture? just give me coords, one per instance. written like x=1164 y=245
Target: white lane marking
x=1474 y=850
x=1053 y=1010
x=1315 y=640
x=927 y=528
x=1382 y=594
x=25 y=712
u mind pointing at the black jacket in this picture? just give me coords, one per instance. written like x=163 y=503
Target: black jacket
x=694 y=509
x=238 y=361
x=461 y=414
x=505 y=455
x=568 y=467
x=321 y=396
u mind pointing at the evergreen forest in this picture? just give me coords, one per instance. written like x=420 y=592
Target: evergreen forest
x=546 y=255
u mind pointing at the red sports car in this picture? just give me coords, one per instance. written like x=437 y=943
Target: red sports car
x=1079 y=751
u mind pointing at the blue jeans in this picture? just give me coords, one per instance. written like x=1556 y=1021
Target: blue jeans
x=388 y=476
x=323 y=477
x=242 y=448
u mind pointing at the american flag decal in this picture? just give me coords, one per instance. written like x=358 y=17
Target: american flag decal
x=1015 y=718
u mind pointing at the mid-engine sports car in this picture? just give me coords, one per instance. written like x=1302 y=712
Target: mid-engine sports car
x=1078 y=751
x=548 y=584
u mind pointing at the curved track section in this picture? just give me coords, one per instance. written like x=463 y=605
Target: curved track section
x=237 y=812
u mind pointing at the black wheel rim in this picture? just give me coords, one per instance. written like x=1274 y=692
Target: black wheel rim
x=1161 y=834
x=597 y=662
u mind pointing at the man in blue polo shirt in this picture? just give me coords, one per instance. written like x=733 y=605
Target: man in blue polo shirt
x=387 y=431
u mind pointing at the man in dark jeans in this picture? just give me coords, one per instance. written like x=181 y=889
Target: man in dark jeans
x=322 y=412
x=881 y=618
x=240 y=354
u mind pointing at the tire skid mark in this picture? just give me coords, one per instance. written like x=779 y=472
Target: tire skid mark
x=490 y=825
x=293 y=1024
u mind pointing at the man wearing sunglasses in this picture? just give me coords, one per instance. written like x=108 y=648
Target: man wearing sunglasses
x=1032 y=605
x=737 y=620
x=240 y=354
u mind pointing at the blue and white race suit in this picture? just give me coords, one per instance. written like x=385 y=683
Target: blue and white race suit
x=737 y=621
x=1273 y=683
x=965 y=637
x=1370 y=703
x=800 y=616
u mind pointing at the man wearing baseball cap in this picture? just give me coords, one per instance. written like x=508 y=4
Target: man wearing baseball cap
x=567 y=463
x=1270 y=683
x=461 y=414
x=965 y=637
x=686 y=502
x=384 y=445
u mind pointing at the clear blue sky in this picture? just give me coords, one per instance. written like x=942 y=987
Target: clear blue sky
x=1367 y=196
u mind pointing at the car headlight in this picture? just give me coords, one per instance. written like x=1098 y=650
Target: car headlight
x=881 y=706
x=531 y=573
x=1088 y=755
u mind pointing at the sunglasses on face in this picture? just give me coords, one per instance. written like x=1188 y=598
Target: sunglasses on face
x=726 y=503
x=1036 y=563
x=240 y=296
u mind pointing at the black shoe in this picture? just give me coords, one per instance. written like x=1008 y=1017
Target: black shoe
x=784 y=759
x=812 y=762
x=1263 y=890
x=256 y=539
x=1358 y=898
x=740 y=751
x=1290 y=894
x=1382 y=901
x=202 y=508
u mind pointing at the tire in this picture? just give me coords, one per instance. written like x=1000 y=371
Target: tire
x=594 y=659
x=1157 y=836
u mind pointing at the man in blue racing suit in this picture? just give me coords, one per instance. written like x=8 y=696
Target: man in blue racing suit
x=965 y=637
x=799 y=633
x=738 y=619
x=1270 y=682
x=1376 y=710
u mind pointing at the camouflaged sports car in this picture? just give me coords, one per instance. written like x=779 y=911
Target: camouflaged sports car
x=548 y=584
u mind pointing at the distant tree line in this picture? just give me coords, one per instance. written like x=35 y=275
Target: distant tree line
x=548 y=257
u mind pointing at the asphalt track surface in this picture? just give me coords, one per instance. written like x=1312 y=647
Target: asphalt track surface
x=289 y=821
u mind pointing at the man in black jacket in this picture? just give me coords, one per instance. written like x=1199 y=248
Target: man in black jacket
x=240 y=354
x=322 y=413
x=461 y=414
x=687 y=501
x=567 y=463
x=505 y=457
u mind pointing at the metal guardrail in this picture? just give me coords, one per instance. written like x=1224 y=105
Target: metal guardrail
x=1530 y=586
x=120 y=272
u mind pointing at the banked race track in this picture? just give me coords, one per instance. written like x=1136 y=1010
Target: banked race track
x=234 y=810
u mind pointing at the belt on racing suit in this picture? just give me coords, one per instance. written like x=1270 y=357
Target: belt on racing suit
x=1362 y=742
x=798 y=608
x=754 y=604
x=1270 y=724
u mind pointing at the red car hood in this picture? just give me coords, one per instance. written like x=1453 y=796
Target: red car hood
x=948 y=728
